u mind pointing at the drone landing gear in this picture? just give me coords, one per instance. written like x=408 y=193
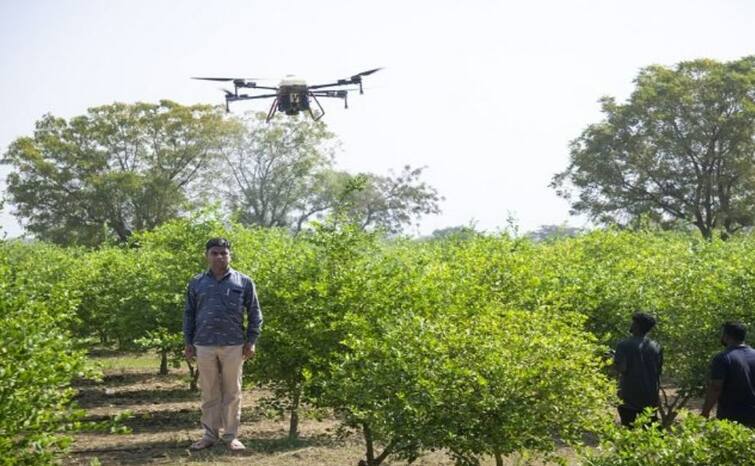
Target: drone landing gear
x=273 y=109
x=311 y=113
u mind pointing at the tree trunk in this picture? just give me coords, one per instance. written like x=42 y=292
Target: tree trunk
x=370 y=453
x=669 y=408
x=368 y=443
x=498 y=459
x=164 y=362
x=293 y=426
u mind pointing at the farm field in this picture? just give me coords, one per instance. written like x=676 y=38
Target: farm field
x=463 y=350
x=165 y=421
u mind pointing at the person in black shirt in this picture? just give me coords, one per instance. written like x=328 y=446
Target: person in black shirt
x=638 y=360
x=732 y=378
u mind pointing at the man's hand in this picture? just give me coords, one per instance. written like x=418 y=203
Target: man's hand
x=189 y=352
x=248 y=351
x=711 y=397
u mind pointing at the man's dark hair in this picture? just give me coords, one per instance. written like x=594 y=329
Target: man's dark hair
x=219 y=242
x=645 y=322
x=735 y=330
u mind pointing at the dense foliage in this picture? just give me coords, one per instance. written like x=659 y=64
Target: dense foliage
x=479 y=345
x=694 y=441
x=679 y=151
x=38 y=357
x=117 y=169
x=122 y=168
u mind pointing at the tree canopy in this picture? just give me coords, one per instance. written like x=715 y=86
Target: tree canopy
x=117 y=169
x=680 y=150
x=122 y=168
x=282 y=175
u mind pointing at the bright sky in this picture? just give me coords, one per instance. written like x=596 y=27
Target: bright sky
x=486 y=95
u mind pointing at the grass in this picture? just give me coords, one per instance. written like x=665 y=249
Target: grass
x=127 y=361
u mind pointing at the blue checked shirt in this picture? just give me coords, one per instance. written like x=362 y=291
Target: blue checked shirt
x=214 y=313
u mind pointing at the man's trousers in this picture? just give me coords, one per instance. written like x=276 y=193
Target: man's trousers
x=220 y=381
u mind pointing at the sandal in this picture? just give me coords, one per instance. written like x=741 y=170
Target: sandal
x=236 y=445
x=201 y=444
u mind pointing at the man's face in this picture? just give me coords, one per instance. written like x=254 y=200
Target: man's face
x=218 y=257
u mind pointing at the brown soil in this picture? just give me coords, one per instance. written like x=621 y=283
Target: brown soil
x=165 y=421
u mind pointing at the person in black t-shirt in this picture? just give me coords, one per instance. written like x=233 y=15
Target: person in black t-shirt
x=732 y=378
x=639 y=361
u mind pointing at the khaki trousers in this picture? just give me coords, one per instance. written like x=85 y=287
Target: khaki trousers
x=220 y=382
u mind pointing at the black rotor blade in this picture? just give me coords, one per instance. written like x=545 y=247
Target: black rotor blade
x=366 y=73
x=225 y=79
x=214 y=79
x=356 y=79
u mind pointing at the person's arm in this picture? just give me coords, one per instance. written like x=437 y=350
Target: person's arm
x=620 y=359
x=254 y=318
x=190 y=316
x=711 y=396
x=718 y=369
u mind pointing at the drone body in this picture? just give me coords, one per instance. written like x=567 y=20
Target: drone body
x=293 y=95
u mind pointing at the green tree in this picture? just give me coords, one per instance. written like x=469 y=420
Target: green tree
x=281 y=175
x=388 y=202
x=690 y=284
x=476 y=382
x=115 y=170
x=276 y=170
x=552 y=232
x=306 y=284
x=682 y=149
x=38 y=358
x=431 y=361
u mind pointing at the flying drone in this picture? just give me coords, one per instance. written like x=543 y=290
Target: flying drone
x=292 y=95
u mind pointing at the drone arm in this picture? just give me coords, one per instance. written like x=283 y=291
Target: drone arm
x=340 y=82
x=249 y=97
x=231 y=97
x=255 y=86
x=332 y=94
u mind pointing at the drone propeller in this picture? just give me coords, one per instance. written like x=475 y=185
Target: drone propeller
x=357 y=78
x=366 y=73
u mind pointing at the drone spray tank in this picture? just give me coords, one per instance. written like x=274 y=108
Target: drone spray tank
x=292 y=95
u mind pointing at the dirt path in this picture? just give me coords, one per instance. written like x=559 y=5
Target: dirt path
x=166 y=421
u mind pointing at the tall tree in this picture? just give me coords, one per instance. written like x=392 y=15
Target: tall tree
x=281 y=174
x=682 y=149
x=389 y=202
x=276 y=170
x=117 y=169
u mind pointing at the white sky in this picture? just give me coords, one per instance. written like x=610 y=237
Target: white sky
x=486 y=94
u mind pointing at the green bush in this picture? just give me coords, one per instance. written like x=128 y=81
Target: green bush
x=38 y=357
x=694 y=441
x=475 y=382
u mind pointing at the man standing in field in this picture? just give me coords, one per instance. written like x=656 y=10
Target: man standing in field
x=639 y=361
x=214 y=333
x=732 y=378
